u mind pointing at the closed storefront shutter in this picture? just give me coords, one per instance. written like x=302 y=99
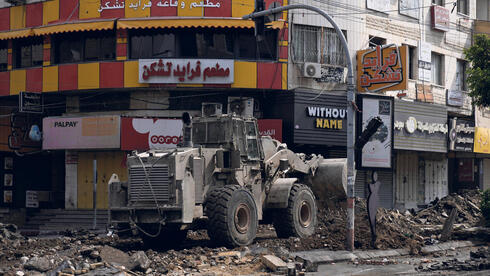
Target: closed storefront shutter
x=385 y=193
x=406 y=180
x=360 y=185
x=435 y=179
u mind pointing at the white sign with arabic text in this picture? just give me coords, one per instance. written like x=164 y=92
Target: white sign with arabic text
x=209 y=71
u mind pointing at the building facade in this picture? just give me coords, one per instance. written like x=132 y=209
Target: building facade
x=113 y=76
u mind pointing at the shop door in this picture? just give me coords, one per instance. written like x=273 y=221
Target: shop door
x=406 y=180
x=107 y=164
x=435 y=180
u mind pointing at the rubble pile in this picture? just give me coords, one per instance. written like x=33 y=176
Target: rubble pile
x=479 y=260
x=8 y=232
x=467 y=204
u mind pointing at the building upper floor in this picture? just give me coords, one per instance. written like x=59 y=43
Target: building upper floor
x=51 y=46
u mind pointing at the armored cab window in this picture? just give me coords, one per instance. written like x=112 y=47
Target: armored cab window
x=216 y=132
x=240 y=136
x=252 y=145
x=199 y=133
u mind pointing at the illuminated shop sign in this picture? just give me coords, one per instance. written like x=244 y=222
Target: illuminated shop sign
x=327 y=117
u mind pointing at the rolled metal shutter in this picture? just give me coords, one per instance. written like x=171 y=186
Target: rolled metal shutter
x=360 y=185
x=385 y=192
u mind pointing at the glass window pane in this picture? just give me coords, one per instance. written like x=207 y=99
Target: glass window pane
x=216 y=133
x=199 y=133
x=92 y=49
x=247 y=48
x=25 y=56
x=268 y=47
x=188 y=45
x=107 y=48
x=252 y=148
x=37 y=55
x=164 y=45
x=251 y=129
x=3 y=59
x=141 y=46
x=240 y=134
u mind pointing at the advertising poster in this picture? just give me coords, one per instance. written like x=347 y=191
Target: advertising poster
x=150 y=133
x=32 y=200
x=377 y=151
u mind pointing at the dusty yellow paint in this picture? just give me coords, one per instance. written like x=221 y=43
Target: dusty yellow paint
x=121 y=40
x=187 y=10
x=51 y=11
x=131 y=75
x=138 y=11
x=50 y=79
x=121 y=58
x=17 y=81
x=88 y=75
x=240 y=8
x=89 y=9
x=17 y=17
x=284 y=76
x=108 y=162
x=245 y=75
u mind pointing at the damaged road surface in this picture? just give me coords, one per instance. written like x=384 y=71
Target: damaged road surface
x=84 y=253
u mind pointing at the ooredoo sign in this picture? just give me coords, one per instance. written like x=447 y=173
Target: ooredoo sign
x=150 y=133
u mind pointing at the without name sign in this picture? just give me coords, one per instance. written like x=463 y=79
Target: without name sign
x=30 y=102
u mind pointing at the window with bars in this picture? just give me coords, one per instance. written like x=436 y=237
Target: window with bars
x=317 y=44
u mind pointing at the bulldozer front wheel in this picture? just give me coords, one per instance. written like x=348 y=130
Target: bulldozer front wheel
x=300 y=217
x=233 y=221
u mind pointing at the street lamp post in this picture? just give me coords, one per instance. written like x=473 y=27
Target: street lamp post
x=350 y=111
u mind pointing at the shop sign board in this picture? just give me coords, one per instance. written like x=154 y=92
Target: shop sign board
x=206 y=71
x=320 y=119
x=420 y=127
x=439 y=18
x=270 y=127
x=32 y=200
x=455 y=98
x=161 y=4
x=150 y=133
x=425 y=50
x=378 y=5
x=382 y=68
x=482 y=140
x=98 y=132
x=409 y=8
x=30 y=102
x=376 y=154
x=461 y=135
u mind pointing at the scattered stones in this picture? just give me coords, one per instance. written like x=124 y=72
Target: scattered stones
x=42 y=264
x=273 y=263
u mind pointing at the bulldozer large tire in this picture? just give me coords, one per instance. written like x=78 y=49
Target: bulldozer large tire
x=300 y=217
x=210 y=202
x=233 y=222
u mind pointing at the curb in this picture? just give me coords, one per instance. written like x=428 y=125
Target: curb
x=317 y=257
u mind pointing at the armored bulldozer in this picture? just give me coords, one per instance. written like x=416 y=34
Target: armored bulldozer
x=224 y=173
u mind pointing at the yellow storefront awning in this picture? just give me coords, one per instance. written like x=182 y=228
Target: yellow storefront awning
x=16 y=34
x=146 y=23
x=75 y=27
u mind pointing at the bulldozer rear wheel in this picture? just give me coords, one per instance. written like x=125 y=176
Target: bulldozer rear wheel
x=300 y=217
x=210 y=202
x=233 y=221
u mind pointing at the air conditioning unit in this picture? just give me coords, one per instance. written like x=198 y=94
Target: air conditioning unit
x=211 y=109
x=312 y=70
x=241 y=106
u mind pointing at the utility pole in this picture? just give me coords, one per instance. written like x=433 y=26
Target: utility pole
x=350 y=110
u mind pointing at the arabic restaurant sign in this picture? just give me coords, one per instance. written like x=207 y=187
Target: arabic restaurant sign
x=209 y=71
x=382 y=68
x=146 y=4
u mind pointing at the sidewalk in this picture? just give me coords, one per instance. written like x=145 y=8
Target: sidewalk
x=317 y=257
